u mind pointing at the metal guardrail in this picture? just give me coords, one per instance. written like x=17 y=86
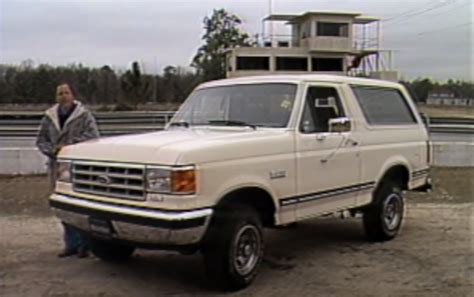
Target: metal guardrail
x=27 y=124
x=449 y=125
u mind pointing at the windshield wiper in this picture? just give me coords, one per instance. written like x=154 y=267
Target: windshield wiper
x=179 y=124
x=232 y=123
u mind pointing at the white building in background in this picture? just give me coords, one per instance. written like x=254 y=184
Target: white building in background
x=344 y=43
x=447 y=97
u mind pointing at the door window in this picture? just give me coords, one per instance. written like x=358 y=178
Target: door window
x=322 y=104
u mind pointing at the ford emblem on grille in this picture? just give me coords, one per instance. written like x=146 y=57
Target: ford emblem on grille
x=104 y=179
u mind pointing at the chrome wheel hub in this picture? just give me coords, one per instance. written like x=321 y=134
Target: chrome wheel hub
x=392 y=211
x=247 y=246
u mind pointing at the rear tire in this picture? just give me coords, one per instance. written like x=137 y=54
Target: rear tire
x=384 y=217
x=111 y=252
x=233 y=248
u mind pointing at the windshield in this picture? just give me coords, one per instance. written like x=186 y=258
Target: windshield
x=266 y=105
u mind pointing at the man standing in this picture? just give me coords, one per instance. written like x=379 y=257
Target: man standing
x=67 y=122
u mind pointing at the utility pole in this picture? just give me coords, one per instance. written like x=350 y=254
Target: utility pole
x=154 y=77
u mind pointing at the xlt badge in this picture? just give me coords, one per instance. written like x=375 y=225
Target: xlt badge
x=277 y=174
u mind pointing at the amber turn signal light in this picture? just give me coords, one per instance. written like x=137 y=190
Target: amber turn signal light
x=183 y=181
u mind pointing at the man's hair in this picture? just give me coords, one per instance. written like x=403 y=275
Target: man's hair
x=71 y=87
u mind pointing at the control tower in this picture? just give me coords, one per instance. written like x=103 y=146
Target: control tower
x=344 y=43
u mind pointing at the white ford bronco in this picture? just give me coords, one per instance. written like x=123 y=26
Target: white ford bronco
x=244 y=154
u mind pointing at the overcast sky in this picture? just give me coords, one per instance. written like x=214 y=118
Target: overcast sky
x=431 y=38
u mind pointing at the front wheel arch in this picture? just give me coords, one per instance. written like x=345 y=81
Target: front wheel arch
x=255 y=197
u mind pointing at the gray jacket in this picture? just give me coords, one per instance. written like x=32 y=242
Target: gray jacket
x=80 y=126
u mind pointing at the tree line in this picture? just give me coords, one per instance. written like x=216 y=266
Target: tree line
x=421 y=88
x=124 y=90
x=26 y=84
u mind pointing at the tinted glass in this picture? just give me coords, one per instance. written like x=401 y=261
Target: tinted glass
x=383 y=106
x=332 y=29
x=327 y=64
x=253 y=63
x=267 y=105
x=292 y=63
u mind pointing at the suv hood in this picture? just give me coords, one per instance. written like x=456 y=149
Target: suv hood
x=183 y=146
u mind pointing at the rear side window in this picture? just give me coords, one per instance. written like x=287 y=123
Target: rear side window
x=383 y=106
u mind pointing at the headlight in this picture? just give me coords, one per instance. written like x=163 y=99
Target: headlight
x=158 y=179
x=181 y=180
x=64 y=171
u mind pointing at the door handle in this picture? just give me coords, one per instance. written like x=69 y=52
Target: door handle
x=321 y=136
x=352 y=142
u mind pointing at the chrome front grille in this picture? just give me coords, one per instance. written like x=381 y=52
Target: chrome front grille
x=116 y=180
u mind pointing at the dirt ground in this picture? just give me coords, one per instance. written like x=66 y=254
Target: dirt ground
x=433 y=256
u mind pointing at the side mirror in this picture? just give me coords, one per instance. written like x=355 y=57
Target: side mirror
x=339 y=125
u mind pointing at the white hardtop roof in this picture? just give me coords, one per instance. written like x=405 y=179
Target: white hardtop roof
x=298 y=78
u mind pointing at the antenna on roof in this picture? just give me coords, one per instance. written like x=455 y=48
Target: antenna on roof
x=270 y=11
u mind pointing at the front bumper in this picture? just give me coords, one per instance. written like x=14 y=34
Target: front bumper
x=143 y=226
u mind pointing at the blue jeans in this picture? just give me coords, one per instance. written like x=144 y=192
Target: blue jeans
x=74 y=240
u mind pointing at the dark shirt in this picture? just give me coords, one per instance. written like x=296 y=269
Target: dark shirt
x=64 y=113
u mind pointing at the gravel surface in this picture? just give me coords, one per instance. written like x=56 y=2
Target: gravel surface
x=433 y=256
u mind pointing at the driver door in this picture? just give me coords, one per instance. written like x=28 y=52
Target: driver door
x=328 y=163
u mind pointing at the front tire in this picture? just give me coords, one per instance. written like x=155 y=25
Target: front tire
x=233 y=248
x=111 y=252
x=384 y=217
